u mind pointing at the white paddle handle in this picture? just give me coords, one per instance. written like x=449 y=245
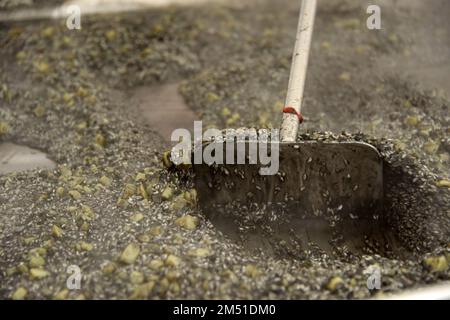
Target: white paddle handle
x=289 y=127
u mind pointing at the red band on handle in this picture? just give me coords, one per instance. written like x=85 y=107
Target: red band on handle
x=291 y=110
